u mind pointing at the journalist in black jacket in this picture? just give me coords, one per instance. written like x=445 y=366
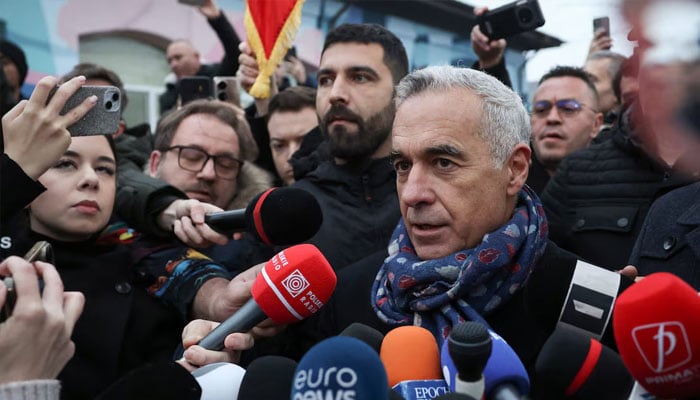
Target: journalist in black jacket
x=598 y=199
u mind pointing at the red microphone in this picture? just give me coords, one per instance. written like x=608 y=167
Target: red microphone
x=294 y=284
x=657 y=330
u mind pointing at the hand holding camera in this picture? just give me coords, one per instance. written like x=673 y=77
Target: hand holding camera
x=35 y=341
x=490 y=52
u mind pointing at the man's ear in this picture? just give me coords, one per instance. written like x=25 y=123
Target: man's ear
x=153 y=162
x=120 y=129
x=518 y=165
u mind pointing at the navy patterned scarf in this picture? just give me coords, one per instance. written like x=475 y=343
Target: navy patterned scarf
x=466 y=285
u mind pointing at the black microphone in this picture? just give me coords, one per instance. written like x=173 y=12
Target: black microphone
x=574 y=365
x=469 y=346
x=581 y=296
x=365 y=333
x=277 y=216
x=268 y=377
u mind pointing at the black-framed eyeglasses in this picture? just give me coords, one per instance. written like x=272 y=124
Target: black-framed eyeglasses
x=566 y=107
x=194 y=159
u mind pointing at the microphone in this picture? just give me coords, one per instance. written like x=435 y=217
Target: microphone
x=269 y=378
x=455 y=396
x=573 y=365
x=365 y=333
x=294 y=284
x=657 y=329
x=342 y=368
x=505 y=376
x=412 y=361
x=582 y=297
x=469 y=347
x=219 y=381
x=277 y=216
x=161 y=380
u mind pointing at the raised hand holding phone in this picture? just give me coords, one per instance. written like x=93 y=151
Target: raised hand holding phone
x=35 y=133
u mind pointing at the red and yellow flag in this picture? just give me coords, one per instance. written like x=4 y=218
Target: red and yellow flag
x=271 y=26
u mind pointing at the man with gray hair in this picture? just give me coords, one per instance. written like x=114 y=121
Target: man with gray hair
x=603 y=66
x=470 y=232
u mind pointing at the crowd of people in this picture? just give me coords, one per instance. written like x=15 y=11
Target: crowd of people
x=441 y=193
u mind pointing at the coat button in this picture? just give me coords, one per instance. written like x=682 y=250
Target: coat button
x=580 y=223
x=122 y=287
x=622 y=222
x=669 y=242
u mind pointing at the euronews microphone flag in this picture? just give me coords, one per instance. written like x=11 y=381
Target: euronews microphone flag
x=271 y=26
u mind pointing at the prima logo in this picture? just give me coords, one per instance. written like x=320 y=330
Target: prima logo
x=664 y=346
x=295 y=283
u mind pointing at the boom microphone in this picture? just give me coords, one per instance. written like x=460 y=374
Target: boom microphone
x=582 y=297
x=278 y=216
x=294 y=284
x=657 y=328
x=574 y=365
x=412 y=361
x=340 y=367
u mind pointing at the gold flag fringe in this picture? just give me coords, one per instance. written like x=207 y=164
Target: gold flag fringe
x=266 y=67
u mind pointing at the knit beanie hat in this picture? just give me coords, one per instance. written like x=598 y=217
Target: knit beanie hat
x=14 y=53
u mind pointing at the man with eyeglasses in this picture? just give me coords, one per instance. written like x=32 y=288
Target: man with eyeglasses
x=201 y=149
x=564 y=116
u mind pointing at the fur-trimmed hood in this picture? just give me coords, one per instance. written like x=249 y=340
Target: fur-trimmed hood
x=252 y=180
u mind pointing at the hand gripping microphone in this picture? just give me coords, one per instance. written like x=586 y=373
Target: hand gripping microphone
x=657 y=329
x=294 y=284
x=582 y=297
x=573 y=365
x=412 y=361
x=342 y=368
x=278 y=216
x=269 y=378
x=469 y=346
x=505 y=376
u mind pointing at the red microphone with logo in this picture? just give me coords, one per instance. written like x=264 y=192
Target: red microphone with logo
x=657 y=330
x=292 y=285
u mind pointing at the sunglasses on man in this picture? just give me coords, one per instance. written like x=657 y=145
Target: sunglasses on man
x=565 y=107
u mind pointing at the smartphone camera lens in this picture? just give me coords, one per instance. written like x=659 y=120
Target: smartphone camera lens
x=115 y=96
x=525 y=15
x=108 y=105
x=221 y=85
x=222 y=96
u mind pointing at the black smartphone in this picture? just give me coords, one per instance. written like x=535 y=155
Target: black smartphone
x=41 y=251
x=103 y=118
x=226 y=89
x=197 y=3
x=602 y=22
x=194 y=88
x=511 y=19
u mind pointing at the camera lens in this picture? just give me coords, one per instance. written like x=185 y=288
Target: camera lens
x=222 y=96
x=115 y=96
x=525 y=15
x=221 y=85
x=108 y=105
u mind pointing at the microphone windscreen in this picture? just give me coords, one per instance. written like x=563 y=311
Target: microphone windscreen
x=294 y=284
x=573 y=365
x=269 y=378
x=219 y=381
x=365 y=333
x=284 y=216
x=469 y=346
x=410 y=353
x=504 y=367
x=162 y=380
x=550 y=295
x=340 y=367
x=657 y=329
